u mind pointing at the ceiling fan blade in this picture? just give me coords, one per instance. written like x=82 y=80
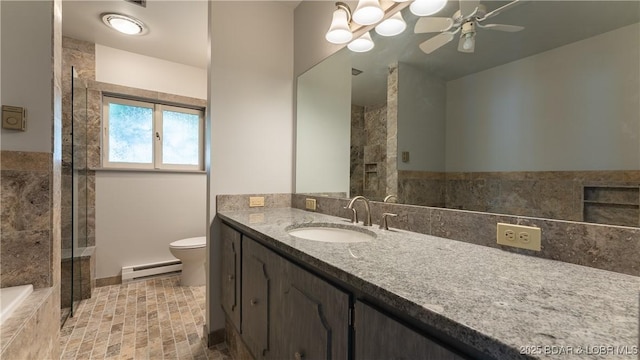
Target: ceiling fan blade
x=432 y=24
x=502 y=27
x=501 y=9
x=468 y=49
x=468 y=7
x=436 y=42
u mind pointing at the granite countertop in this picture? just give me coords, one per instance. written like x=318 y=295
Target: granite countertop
x=497 y=302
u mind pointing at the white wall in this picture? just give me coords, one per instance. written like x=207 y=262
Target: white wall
x=579 y=101
x=27 y=73
x=421 y=119
x=251 y=122
x=143 y=72
x=323 y=127
x=139 y=214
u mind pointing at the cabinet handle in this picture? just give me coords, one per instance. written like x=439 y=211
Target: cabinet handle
x=231 y=277
x=298 y=355
x=254 y=302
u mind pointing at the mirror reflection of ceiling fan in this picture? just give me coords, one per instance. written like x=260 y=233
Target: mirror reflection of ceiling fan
x=465 y=21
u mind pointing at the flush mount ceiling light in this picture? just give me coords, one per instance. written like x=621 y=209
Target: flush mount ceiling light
x=368 y=12
x=339 y=31
x=361 y=44
x=427 y=7
x=124 y=24
x=392 y=26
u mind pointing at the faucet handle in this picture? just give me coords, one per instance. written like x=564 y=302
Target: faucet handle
x=354 y=214
x=383 y=223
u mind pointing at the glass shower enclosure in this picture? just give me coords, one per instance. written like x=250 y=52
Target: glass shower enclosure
x=74 y=197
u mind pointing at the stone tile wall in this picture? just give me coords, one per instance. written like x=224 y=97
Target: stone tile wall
x=26 y=226
x=545 y=194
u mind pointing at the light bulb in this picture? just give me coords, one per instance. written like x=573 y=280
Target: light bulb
x=362 y=44
x=368 y=12
x=392 y=26
x=468 y=43
x=427 y=7
x=339 y=31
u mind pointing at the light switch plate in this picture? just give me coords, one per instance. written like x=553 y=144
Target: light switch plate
x=256 y=201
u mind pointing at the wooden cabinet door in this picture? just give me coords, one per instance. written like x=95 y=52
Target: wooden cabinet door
x=230 y=291
x=260 y=272
x=378 y=336
x=313 y=318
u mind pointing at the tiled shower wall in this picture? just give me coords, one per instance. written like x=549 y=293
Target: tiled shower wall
x=546 y=194
x=80 y=55
x=369 y=151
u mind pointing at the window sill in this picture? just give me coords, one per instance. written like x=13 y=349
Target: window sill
x=164 y=171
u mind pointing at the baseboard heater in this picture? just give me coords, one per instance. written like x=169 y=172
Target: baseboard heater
x=139 y=271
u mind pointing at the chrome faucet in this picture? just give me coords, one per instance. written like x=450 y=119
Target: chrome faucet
x=354 y=218
x=389 y=197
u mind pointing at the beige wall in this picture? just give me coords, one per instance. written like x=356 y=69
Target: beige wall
x=576 y=104
x=31 y=41
x=30 y=88
x=125 y=68
x=139 y=214
x=250 y=125
x=323 y=124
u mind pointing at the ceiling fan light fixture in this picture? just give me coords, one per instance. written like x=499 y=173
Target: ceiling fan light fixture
x=362 y=44
x=368 y=12
x=469 y=42
x=125 y=24
x=339 y=31
x=392 y=26
x=427 y=7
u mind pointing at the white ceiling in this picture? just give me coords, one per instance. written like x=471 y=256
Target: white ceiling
x=178 y=29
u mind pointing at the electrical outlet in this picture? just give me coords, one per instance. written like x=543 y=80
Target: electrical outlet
x=525 y=237
x=310 y=204
x=256 y=201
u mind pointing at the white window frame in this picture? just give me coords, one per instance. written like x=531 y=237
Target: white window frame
x=158 y=108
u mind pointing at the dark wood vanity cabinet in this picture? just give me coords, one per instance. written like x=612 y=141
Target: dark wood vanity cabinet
x=378 y=336
x=231 y=260
x=261 y=270
x=313 y=318
x=287 y=312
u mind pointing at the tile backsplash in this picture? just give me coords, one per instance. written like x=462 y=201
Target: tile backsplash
x=607 y=247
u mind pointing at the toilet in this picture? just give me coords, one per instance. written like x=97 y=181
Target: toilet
x=192 y=253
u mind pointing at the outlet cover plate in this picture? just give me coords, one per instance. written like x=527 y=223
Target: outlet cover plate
x=520 y=236
x=256 y=201
x=310 y=204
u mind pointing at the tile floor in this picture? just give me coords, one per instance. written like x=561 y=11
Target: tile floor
x=148 y=319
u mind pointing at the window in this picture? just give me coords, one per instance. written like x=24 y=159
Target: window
x=146 y=135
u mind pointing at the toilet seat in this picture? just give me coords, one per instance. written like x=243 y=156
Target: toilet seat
x=190 y=243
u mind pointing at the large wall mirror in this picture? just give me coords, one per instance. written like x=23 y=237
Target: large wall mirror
x=541 y=122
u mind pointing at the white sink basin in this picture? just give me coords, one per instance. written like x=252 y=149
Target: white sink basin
x=331 y=233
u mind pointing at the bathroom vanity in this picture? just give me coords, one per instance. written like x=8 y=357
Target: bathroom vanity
x=409 y=295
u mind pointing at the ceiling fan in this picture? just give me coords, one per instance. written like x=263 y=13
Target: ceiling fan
x=467 y=20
